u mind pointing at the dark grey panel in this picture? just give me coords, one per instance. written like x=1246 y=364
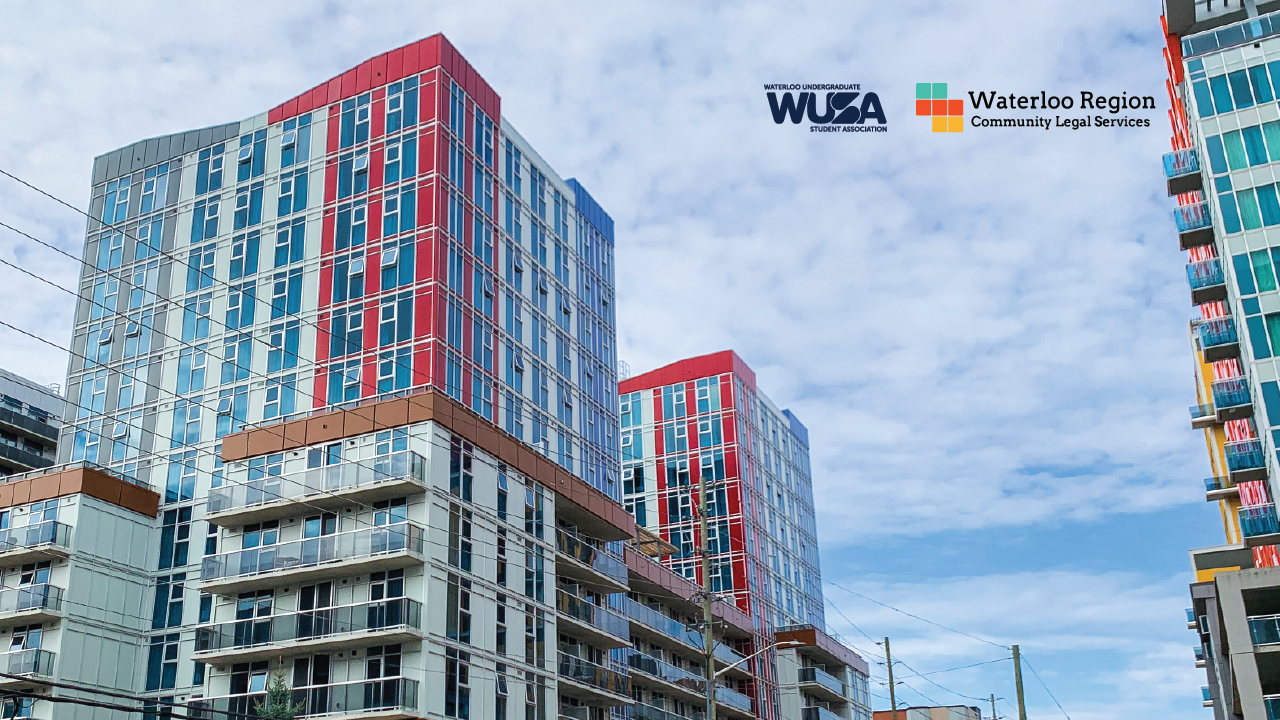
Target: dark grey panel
x=150 y=157
x=175 y=179
x=170 y=229
x=191 y=142
x=162 y=148
x=113 y=164
x=99 y=169
x=206 y=137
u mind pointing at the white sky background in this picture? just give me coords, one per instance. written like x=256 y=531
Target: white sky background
x=984 y=332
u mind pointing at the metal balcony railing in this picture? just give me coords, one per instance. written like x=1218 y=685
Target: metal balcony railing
x=586 y=672
x=666 y=671
x=31 y=597
x=1218 y=331
x=1205 y=273
x=337 y=699
x=592 y=614
x=335 y=478
x=1245 y=455
x=1181 y=162
x=1259 y=520
x=33 y=661
x=1192 y=217
x=313 y=551
x=1231 y=392
x=603 y=562
x=821 y=677
x=310 y=624
x=49 y=532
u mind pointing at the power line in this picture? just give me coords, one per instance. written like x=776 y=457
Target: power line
x=917 y=617
x=1046 y=688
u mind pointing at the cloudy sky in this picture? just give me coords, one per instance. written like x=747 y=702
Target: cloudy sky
x=985 y=332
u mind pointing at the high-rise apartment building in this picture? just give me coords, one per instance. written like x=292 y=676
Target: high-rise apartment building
x=30 y=415
x=342 y=410
x=1223 y=60
x=705 y=417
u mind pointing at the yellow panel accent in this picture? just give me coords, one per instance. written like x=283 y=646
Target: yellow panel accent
x=1207 y=575
x=956 y=123
x=940 y=123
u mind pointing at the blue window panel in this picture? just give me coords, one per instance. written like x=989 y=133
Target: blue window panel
x=1261 y=84
x=1274 y=67
x=1254 y=147
x=1258 y=337
x=1217 y=156
x=1221 y=93
x=1222 y=184
x=1230 y=215
x=1251 y=306
x=1204 y=99
x=1244 y=274
x=1269 y=205
x=1240 y=89
x=1271 y=397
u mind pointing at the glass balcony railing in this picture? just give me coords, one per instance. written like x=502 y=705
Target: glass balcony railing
x=1192 y=217
x=592 y=614
x=1241 y=33
x=655 y=620
x=337 y=699
x=27 y=662
x=640 y=711
x=733 y=699
x=313 y=551
x=1245 y=455
x=310 y=624
x=822 y=677
x=1217 y=331
x=1216 y=483
x=1201 y=411
x=49 y=532
x=1259 y=520
x=1181 y=162
x=1206 y=273
x=1272 y=703
x=1199 y=649
x=405 y=465
x=723 y=653
x=1265 y=630
x=31 y=597
x=591 y=556
x=586 y=672
x=1231 y=392
x=820 y=713
x=666 y=671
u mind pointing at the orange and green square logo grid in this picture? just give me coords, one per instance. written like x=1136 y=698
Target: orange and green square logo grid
x=931 y=101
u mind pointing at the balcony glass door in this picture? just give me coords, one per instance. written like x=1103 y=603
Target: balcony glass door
x=318 y=545
x=316 y=617
x=253 y=618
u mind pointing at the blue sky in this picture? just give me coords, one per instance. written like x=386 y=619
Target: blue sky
x=984 y=332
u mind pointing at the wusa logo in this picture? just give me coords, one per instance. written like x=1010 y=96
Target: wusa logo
x=931 y=101
x=844 y=109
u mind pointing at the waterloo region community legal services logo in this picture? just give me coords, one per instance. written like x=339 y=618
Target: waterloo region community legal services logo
x=932 y=102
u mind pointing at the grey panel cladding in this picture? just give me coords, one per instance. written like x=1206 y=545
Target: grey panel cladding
x=146 y=153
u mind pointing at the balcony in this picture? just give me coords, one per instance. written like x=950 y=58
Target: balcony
x=386 y=699
x=1264 y=629
x=1218 y=339
x=589 y=565
x=329 y=488
x=1207 y=281
x=1219 y=488
x=604 y=629
x=640 y=711
x=32 y=663
x=733 y=703
x=726 y=656
x=1271 y=702
x=49 y=540
x=1199 y=650
x=592 y=683
x=1192 y=622
x=1203 y=416
x=1245 y=461
x=1207 y=694
x=311 y=631
x=819 y=682
x=674 y=681
x=30 y=604
x=1231 y=398
x=821 y=713
x=1259 y=525
x=1182 y=171
x=1195 y=225
x=655 y=625
x=350 y=553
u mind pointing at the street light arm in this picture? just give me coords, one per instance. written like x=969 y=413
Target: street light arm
x=727 y=668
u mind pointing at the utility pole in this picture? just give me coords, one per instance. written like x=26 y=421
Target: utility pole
x=1017 y=679
x=888 y=661
x=709 y=642
x=993 y=706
